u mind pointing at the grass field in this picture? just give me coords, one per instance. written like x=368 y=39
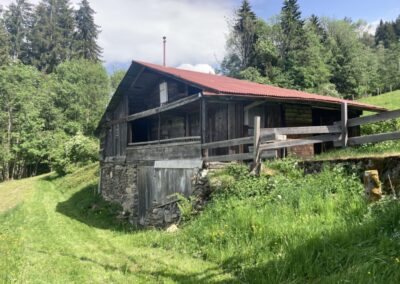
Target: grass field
x=284 y=228
x=388 y=100
x=62 y=233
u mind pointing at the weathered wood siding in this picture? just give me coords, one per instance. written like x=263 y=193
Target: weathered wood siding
x=298 y=115
x=188 y=150
x=224 y=121
x=158 y=186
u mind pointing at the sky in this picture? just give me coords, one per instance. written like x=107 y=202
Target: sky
x=196 y=30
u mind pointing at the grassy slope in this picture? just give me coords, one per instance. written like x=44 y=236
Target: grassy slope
x=390 y=101
x=288 y=228
x=61 y=233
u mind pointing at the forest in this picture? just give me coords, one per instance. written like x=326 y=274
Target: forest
x=54 y=87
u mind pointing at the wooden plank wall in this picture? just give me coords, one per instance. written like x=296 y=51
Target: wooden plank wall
x=298 y=115
x=225 y=121
x=188 y=150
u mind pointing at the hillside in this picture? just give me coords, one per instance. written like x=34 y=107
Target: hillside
x=283 y=227
x=388 y=100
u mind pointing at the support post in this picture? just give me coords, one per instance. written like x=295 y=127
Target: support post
x=256 y=148
x=345 y=131
x=203 y=119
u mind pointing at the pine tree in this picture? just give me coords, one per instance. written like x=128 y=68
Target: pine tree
x=18 y=20
x=52 y=34
x=317 y=27
x=241 y=41
x=86 y=34
x=397 y=27
x=386 y=34
x=292 y=27
x=4 y=42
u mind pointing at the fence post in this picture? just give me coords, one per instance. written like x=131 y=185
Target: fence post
x=256 y=148
x=345 y=131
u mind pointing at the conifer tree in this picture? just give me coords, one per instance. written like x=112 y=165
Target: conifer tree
x=242 y=40
x=4 y=42
x=18 y=20
x=85 y=37
x=292 y=27
x=52 y=34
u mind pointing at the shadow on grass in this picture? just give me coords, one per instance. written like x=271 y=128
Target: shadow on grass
x=139 y=267
x=90 y=208
x=361 y=253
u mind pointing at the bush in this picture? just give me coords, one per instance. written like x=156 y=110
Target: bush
x=76 y=152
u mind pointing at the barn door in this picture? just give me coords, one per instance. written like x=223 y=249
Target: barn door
x=158 y=184
x=145 y=183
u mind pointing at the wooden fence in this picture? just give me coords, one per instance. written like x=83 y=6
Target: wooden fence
x=269 y=140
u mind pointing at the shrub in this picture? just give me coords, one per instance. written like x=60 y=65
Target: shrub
x=76 y=152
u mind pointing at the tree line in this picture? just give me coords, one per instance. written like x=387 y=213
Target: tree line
x=326 y=56
x=53 y=87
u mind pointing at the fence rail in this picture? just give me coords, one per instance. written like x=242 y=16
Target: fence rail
x=266 y=141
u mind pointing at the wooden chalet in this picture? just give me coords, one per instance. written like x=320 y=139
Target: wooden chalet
x=160 y=120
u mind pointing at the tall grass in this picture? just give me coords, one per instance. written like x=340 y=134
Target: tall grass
x=295 y=228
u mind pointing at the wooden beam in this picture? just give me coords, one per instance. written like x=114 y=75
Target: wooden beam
x=136 y=77
x=373 y=138
x=325 y=129
x=344 y=124
x=253 y=105
x=203 y=123
x=256 y=141
x=163 y=108
x=165 y=141
x=229 y=158
x=300 y=142
x=228 y=143
x=373 y=118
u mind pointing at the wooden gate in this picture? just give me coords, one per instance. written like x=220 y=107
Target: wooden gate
x=158 y=184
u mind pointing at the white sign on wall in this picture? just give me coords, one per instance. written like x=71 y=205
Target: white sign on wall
x=163 y=93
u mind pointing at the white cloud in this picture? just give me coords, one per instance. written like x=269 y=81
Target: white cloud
x=133 y=29
x=371 y=28
x=204 y=68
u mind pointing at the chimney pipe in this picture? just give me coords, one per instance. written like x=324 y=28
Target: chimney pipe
x=164 y=46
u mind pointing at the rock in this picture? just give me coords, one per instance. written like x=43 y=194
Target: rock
x=372 y=184
x=172 y=229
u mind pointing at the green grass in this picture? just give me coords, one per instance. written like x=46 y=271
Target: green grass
x=64 y=233
x=390 y=100
x=284 y=227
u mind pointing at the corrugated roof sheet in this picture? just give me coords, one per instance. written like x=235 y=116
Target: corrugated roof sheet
x=220 y=85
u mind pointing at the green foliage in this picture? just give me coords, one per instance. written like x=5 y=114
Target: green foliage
x=86 y=33
x=82 y=94
x=325 y=56
x=52 y=34
x=74 y=153
x=116 y=78
x=18 y=19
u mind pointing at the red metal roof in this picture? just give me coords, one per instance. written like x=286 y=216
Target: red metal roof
x=216 y=85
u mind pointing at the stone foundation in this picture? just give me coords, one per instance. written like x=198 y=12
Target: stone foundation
x=119 y=184
x=386 y=166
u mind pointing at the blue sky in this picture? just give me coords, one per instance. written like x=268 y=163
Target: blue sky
x=369 y=10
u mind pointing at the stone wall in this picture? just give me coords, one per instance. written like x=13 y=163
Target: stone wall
x=387 y=167
x=119 y=184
